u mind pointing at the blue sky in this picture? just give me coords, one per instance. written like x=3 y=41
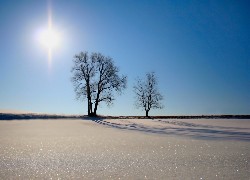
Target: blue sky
x=200 y=51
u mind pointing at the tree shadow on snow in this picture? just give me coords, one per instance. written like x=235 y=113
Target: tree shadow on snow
x=196 y=131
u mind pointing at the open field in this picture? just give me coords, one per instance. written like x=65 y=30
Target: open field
x=14 y=115
x=125 y=149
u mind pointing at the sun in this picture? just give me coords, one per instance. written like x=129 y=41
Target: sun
x=49 y=38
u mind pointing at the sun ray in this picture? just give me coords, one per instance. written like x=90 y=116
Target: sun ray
x=49 y=37
x=49 y=57
x=49 y=29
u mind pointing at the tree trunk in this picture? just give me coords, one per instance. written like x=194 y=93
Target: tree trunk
x=95 y=109
x=89 y=108
x=147 y=113
x=90 y=112
x=97 y=101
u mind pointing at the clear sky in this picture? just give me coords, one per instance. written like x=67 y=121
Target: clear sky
x=200 y=51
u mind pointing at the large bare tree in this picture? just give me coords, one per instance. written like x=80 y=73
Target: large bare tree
x=147 y=94
x=96 y=78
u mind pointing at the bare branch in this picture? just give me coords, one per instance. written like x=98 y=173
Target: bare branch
x=96 y=78
x=147 y=94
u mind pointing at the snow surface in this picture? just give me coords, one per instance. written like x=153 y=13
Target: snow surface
x=125 y=149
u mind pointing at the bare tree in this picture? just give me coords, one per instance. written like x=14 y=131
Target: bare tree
x=96 y=78
x=147 y=95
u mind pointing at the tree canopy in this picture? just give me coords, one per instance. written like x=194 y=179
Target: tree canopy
x=96 y=78
x=147 y=94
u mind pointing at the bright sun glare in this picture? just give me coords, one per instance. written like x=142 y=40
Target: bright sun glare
x=49 y=38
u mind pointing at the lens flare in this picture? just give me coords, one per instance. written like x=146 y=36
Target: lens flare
x=49 y=37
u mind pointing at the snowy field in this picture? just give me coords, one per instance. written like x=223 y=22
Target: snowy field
x=125 y=149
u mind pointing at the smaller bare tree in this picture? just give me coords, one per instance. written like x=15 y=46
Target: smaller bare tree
x=147 y=94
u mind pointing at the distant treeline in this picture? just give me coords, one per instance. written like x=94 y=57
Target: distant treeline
x=206 y=117
x=183 y=117
x=9 y=116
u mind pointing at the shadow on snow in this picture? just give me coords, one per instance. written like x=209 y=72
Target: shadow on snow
x=196 y=131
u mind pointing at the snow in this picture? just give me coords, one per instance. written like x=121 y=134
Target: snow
x=125 y=149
